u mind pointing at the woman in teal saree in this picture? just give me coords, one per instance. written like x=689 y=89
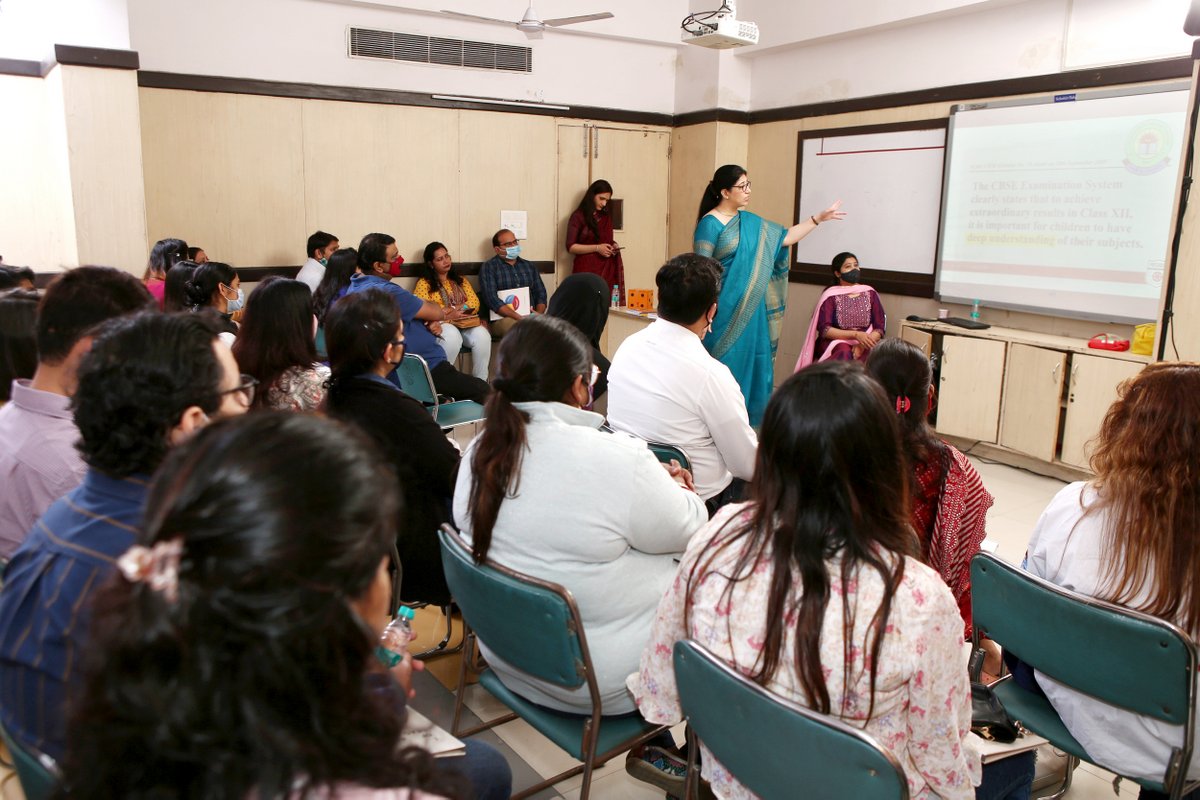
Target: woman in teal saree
x=753 y=253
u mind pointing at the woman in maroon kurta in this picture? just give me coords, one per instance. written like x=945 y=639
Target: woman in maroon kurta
x=590 y=238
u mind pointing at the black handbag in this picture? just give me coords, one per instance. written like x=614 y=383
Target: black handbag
x=989 y=718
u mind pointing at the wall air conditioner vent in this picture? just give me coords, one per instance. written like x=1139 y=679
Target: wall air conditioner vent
x=414 y=48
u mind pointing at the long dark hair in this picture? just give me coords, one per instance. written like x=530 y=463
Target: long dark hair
x=539 y=360
x=276 y=333
x=426 y=270
x=724 y=178
x=204 y=282
x=357 y=331
x=337 y=276
x=164 y=255
x=825 y=484
x=587 y=206
x=175 y=287
x=248 y=677
x=903 y=371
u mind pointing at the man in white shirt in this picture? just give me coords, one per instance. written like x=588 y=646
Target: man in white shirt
x=664 y=386
x=321 y=246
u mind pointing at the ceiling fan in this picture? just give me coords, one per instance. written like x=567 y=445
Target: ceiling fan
x=529 y=24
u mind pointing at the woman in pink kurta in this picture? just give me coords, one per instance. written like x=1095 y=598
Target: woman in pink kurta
x=849 y=318
x=858 y=628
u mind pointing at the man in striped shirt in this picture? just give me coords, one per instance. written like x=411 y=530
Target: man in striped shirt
x=148 y=383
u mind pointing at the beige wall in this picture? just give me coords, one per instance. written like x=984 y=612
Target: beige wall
x=697 y=151
x=37 y=224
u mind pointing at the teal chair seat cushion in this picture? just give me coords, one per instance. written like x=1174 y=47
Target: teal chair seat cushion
x=460 y=412
x=1035 y=713
x=562 y=728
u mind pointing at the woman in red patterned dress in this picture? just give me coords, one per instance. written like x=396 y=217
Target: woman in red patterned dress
x=949 y=501
x=590 y=238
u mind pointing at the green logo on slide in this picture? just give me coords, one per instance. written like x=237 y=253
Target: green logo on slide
x=1147 y=147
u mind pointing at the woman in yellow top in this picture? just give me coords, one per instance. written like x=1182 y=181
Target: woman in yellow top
x=440 y=283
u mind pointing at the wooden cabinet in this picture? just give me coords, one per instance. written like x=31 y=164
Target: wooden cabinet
x=1026 y=399
x=969 y=388
x=1092 y=389
x=1033 y=382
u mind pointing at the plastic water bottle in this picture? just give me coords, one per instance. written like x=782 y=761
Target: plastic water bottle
x=975 y=311
x=393 y=643
x=616 y=296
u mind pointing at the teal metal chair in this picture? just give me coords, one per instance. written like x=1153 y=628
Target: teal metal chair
x=777 y=748
x=37 y=772
x=665 y=452
x=534 y=626
x=1119 y=656
x=417 y=382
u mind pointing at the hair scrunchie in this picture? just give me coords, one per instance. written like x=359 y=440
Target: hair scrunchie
x=903 y=404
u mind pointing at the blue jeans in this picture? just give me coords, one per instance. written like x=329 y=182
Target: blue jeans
x=485 y=768
x=1007 y=779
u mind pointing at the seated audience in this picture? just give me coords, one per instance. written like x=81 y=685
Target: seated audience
x=1128 y=536
x=664 y=386
x=175 y=287
x=197 y=255
x=547 y=493
x=16 y=277
x=582 y=299
x=813 y=590
x=320 y=247
x=18 y=337
x=216 y=289
x=504 y=271
x=164 y=255
x=234 y=659
x=149 y=382
x=39 y=462
x=423 y=320
x=366 y=339
x=441 y=284
x=276 y=347
x=949 y=501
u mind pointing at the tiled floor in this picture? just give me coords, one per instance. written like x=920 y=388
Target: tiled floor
x=1020 y=497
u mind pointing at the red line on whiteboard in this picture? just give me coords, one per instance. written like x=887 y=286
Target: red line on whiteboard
x=882 y=150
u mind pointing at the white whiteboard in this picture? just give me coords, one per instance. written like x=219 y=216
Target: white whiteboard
x=890 y=185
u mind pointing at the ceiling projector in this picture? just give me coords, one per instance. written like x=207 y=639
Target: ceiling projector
x=719 y=30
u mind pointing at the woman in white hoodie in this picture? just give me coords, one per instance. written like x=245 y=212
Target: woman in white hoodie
x=545 y=492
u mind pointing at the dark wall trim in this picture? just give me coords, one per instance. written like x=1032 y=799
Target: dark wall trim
x=1078 y=79
x=255 y=274
x=70 y=55
x=349 y=94
x=911 y=284
x=711 y=115
x=25 y=69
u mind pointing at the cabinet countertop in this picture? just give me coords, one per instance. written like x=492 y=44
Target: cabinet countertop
x=1029 y=338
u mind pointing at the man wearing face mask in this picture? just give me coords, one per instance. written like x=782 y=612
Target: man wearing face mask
x=321 y=246
x=378 y=261
x=147 y=384
x=664 y=386
x=505 y=271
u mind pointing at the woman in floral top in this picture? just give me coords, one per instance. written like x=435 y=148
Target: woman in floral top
x=275 y=346
x=859 y=629
x=440 y=283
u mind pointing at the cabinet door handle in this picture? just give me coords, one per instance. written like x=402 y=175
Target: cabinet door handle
x=1054 y=372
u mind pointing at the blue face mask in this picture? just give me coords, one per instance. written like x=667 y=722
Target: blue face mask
x=324 y=262
x=512 y=252
x=236 y=305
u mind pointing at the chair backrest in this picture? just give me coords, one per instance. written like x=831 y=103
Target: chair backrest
x=665 y=452
x=37 y=772
x=416 y=380
x=531 y=624
x=1117 y=655
x=774 y=746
